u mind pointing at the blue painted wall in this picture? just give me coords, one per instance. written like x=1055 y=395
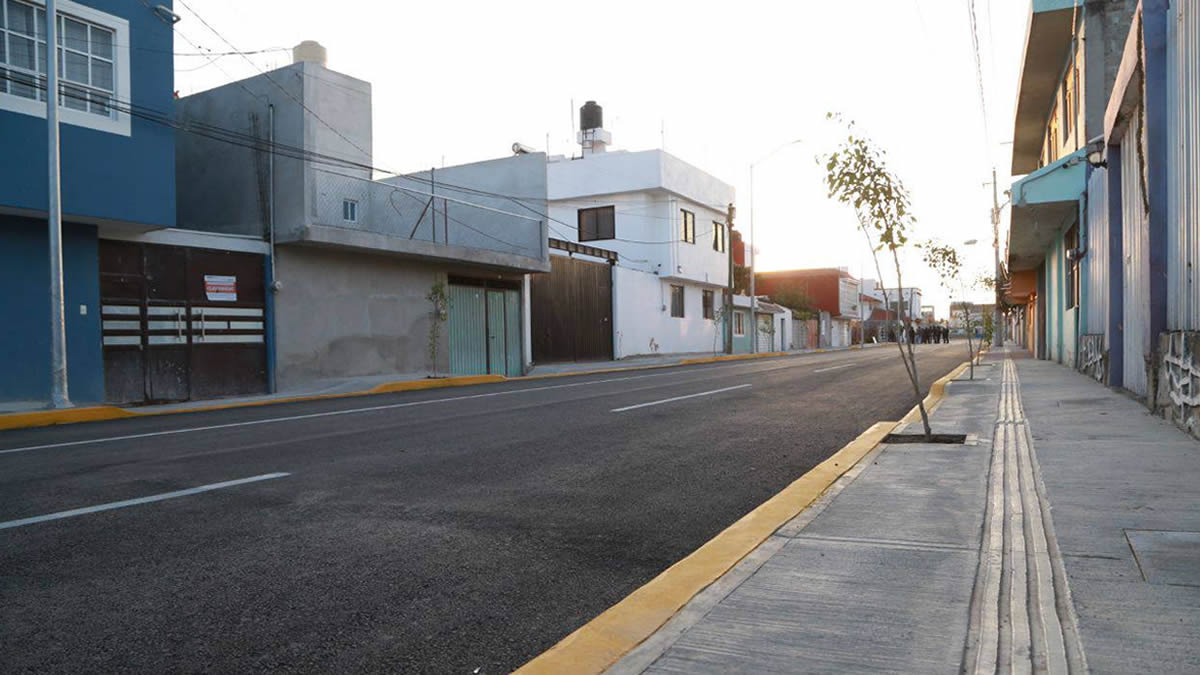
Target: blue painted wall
x=125 y=178
x=25 y=342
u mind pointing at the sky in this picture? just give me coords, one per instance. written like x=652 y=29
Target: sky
x=719 y=85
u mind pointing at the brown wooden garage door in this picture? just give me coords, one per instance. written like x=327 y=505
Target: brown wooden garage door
x=181 y=323
x=571 y=311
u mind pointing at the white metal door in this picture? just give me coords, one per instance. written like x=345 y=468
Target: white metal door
x=1135 y=240
x=765 y=334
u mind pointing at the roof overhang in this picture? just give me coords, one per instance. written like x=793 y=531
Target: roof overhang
x=1045 y=202
x=1022 y=285
x=1047 y=47
x=360 y=241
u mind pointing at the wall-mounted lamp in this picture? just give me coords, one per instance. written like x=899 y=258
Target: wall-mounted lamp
x=1095 y=152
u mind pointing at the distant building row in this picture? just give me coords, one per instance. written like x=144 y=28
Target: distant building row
x=239 y=240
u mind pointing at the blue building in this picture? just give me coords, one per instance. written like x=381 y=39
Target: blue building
x=117 y=173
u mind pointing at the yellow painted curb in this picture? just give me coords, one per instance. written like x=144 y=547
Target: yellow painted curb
x=44 y=418
x=740 y=357
x=601 y=642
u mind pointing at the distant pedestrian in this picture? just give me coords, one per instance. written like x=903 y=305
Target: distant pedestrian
x=946 y=333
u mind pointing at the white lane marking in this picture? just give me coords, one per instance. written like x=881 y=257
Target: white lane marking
x=392 y=406
x=679 y=398
x=844 y=365
x=140 y=500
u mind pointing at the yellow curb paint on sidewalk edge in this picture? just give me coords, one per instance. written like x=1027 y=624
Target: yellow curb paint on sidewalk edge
x=42 y=418
x=100 y=413
x=600 y=643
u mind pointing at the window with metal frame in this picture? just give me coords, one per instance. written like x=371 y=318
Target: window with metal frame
x=707 y=299
x=85 y=58
x=93 y=64
x=350 y=210
x=739 y=323
x=677 y=301
x=1070 y=243
x=718 y=237
x=597 y=223
x=688 y=223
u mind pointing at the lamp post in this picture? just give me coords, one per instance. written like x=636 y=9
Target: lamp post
x=997 y=320
x=59 y=395
x=753 y=296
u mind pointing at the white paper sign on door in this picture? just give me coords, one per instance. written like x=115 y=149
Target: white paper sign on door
x=219 y=288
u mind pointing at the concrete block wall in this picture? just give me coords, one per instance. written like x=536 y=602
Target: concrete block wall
x=342 y=314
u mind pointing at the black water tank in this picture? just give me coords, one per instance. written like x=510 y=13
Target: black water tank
x=591 y=116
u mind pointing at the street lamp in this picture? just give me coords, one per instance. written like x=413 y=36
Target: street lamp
x=753 y=296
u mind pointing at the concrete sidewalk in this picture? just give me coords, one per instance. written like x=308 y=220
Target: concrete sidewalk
x=1063 y=537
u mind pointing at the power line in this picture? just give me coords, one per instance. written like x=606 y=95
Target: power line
x=272 y=80
x=979 y=74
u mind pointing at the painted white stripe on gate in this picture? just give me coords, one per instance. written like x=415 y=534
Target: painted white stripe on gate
x=122 y=340
x=120 y=309
x=679 y=398
x=140 y=500
x=120 y=325
x=227 y=338
x=227 y=311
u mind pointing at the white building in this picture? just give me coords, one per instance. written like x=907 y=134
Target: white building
x=912 y=301
x=665 y=221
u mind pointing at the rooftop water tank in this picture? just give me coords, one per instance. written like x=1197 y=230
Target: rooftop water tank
x=309 y=51
x=591 y=116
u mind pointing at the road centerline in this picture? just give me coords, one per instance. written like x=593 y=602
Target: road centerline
x=71 y=513
x=679 y=398
x=822 y=370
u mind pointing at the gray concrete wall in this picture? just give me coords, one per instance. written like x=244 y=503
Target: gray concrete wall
x=225 y=187
x=1105 y=29
x=345 y=314
x=521 y=176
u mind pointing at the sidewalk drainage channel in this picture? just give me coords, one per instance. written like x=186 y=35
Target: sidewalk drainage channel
x=943 y=439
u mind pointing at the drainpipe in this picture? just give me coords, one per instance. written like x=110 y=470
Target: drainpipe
x=273 y=282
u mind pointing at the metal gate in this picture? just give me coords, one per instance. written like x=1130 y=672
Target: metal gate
x=180 y=323
x=485 y=327
x=1135 y=236
x=571 y=310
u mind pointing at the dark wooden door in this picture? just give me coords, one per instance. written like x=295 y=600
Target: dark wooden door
x=571 y=311
x=181 y=323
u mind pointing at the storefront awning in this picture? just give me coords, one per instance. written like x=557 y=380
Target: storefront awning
x=1044 y=203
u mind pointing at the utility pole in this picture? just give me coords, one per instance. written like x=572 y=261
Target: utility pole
x=730 y=212
x=59 y=395
x=997 y=323
x=753 y=297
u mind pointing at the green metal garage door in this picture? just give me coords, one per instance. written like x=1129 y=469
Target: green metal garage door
x=485 y=330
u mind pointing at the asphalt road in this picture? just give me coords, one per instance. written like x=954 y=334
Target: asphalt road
x=435 y=531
